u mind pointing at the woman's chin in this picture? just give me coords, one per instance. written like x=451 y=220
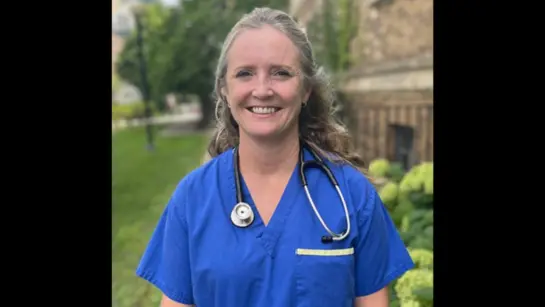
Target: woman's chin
x=264 y=132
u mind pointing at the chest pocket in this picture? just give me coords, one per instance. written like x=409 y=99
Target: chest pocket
x=325 y=277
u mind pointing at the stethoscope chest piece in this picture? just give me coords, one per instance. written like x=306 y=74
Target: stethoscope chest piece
x=242 y=215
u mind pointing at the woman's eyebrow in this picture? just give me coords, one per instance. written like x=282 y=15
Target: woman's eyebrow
x=272 y=66
x=244 y=67
x=286 y=67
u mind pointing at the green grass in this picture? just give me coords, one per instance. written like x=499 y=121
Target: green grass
x=142 y=183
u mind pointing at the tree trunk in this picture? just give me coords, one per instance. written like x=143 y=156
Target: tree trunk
x=207 y=109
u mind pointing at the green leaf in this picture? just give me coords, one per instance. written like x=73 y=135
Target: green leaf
x=395 y=303
x=429 y=231
x=421 y=242
x=424 y=295
x=396 y=172
x=417 y=215
x=421 y=200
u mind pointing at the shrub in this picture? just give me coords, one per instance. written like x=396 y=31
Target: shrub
x=389 y=194
x=417 y=229
x=409 y=199
x=415 y=288
x=402 y=193
x=379 y=168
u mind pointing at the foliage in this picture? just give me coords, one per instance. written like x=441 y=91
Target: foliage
x=405 y=193
x=409 y=199
x=384 y=169
x=182 y=47
x=331 y=33
x=423 y=258
x=417 y=229
x=131 y=111
x=379 y=168
x=419 y=178
x=415 y=288
x=395 y=172
x=153 y=17
x=115 y=82
x=142 y=182
x=414 y=280
x=389 y=194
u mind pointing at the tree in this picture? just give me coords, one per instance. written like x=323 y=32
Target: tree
x=331 y=32
x=154 y=16
x=182 y=47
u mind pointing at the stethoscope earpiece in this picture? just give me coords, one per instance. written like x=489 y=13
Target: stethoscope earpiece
x=242 y=215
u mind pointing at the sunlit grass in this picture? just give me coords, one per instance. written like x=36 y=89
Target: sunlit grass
x=142 y=183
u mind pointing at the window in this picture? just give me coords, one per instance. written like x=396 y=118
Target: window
x=400 y=143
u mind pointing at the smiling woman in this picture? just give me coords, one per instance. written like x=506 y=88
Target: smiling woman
x=262 y=84
x=244 y=229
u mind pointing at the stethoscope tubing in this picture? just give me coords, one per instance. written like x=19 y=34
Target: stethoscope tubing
x=303 y=165
x=320 y=164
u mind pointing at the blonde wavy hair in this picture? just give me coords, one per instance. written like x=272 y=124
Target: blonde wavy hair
x=318 y=126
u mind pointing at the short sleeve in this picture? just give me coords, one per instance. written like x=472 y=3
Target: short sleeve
x=381 y=253
x=165 y=262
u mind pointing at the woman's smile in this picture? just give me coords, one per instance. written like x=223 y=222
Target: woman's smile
x=264 y=112
x=263 y=88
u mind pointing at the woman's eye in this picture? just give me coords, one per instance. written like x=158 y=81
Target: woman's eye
x=283 y=73
x=243 y=73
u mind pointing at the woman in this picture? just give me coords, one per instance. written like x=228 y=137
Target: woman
x=273 y=103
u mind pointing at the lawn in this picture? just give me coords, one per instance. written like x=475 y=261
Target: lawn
x=142 y=182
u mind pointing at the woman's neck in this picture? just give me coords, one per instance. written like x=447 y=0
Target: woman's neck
x=266 y=158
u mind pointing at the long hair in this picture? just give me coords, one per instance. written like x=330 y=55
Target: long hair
x=318 y=126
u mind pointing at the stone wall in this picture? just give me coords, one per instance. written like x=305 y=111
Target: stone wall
x=304 y=10
x=392 y=30
x=400 y=98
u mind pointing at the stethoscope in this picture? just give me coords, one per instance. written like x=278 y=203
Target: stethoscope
x=243 y=215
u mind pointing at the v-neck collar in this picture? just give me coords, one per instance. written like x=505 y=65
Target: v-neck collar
x=268 y=235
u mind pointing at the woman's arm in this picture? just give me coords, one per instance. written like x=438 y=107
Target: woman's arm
x=380 y=254
x=165 y=262
x=377 y=299
x=166 y=302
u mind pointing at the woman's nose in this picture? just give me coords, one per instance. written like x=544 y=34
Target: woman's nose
x=262 y=89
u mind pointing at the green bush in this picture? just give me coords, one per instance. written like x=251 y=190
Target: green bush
x=396 y=172
x=389 y=194
x=403 y=193
x=379 y=168
x=415 y=288
x=408 y=196
x=131 y=111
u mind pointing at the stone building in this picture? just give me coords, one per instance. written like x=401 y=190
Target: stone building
x=388 y=91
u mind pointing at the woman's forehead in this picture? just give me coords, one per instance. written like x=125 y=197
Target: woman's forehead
x=263 y=46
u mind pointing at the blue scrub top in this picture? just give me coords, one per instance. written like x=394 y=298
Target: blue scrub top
x=197 y=256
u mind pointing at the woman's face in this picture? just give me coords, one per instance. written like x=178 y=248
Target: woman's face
x=263 y=85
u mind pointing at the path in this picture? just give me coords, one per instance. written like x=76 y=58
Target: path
x=186 y=118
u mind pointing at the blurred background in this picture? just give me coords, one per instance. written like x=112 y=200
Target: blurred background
x=380 y=54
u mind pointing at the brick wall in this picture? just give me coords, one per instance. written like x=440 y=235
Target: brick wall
x=393 y=30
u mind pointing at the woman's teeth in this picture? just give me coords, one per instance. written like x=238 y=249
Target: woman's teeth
x=263 y=110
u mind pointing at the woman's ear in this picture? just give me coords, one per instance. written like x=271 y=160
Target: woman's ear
x=306 y=95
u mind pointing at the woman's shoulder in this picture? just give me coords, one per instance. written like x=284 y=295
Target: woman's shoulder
x=354 y=177
x=200 y=181
x=359 y=185
x=205 y=173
